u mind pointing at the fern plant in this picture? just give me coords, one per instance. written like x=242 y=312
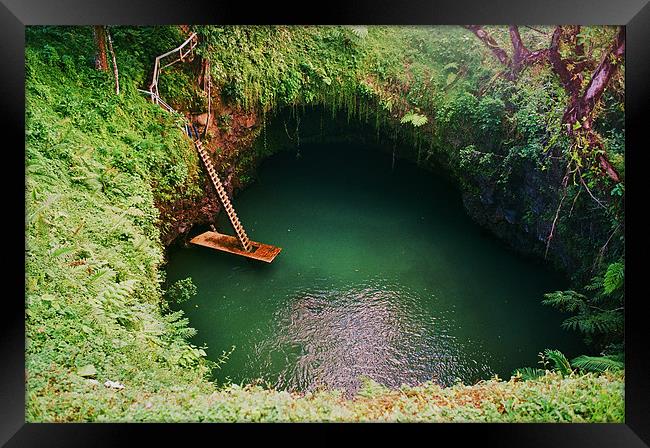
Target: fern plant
x=547 y=357
x=560 y=361
x=361 y=31
x=113 y=300
x=597 y=364
x=415 y=119
x=583 y=363
x=613 y=277
x=597 y=314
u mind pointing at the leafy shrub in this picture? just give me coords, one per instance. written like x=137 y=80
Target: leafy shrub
x=181 y=291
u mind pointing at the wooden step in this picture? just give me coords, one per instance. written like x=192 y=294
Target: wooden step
x=227 y=243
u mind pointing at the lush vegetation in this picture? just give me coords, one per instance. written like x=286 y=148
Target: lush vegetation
x=94 y=163
x=100 y=165
x=551 y=398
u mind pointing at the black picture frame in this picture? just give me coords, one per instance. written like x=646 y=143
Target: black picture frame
x=634 y=14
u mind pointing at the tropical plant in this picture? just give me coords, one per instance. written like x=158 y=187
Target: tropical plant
x=561 y=365
x=415 y=119
x=599 y=315
x=598 y=364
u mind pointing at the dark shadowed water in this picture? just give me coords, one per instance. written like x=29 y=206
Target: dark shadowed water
x=382 y=275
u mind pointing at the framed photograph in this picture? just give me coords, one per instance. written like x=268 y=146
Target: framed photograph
x=387 y=213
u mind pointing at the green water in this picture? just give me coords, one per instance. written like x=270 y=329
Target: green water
x=382 y=275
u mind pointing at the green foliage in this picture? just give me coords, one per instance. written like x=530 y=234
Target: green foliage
x=551 y=360
x=96 y=165
x=595 y=322
x=569 y=301
x=560 y=362
x=415 y=119
x=360 y=31
x=181 y=290
x=529 y=373
x=597 y=364
x=225 y=121
x=561 y=365
x=265 y=67
x=548 y=398
x=614 y=277
x=371 y=389
x=223 y=358
x=87 y=371
x=598 y=315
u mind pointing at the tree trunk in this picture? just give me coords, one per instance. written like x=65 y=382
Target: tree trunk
x=101 y=59
x=581 y=107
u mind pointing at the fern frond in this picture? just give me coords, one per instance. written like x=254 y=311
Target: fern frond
x=42 y=170
x=361 y=31
x=596 y=364
x=117 y=292
x=602 y=322
x=569 y=301
x=173 y=317
x=416 y=120
x=596 y=284
x=44 y=206
x=561 y=362
x=614 y=277
x=451 y=66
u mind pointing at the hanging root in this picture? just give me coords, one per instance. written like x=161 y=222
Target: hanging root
x=574 y=202
x=557 y=213
x=287 y=131
x=601 y=253
x=589 y=191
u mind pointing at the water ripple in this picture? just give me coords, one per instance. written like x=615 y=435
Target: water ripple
x=332 y=337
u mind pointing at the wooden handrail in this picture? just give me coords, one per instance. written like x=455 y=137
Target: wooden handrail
x=158 y=100
x=192 y=40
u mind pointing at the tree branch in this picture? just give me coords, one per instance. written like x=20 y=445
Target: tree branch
x=557 y=214
x=535 y=29
x=522 y=55
x=569 y=82
x=501 y=55
x=604 y=72
x=580 y=106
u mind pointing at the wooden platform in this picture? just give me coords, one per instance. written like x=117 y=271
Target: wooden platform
x=227 y=243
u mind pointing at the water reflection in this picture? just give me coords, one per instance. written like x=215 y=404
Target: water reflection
x=329 y=337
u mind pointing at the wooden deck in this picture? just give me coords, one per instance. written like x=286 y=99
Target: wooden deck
x=227 y=243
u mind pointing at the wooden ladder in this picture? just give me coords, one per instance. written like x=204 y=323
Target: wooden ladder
x=264 y=252
x=223 y=197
